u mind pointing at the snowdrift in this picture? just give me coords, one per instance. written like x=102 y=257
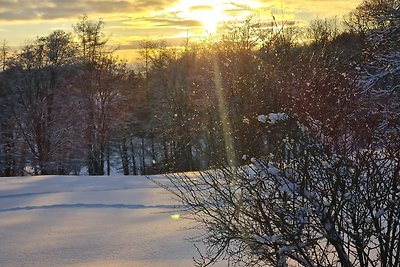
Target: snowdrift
x=91 y=221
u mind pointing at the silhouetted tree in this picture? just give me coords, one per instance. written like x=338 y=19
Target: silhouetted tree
x=33 y=78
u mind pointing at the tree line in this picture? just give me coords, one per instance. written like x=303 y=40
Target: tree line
x=69 y=104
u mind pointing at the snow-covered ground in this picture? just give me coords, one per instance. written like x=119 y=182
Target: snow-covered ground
x=90 y=221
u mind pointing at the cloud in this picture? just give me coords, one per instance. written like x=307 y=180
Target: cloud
x=310 y=9
x=238 y=6
x=23 y=10
x=168 y=41
x=174 y=22
x=20 y=10
x=196 y=8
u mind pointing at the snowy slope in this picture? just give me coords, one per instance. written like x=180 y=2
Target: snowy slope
x=90 y=221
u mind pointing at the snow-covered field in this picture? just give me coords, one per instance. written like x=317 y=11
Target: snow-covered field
x=90 y=221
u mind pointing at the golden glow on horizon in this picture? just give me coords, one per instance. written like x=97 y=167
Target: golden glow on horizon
x=126 y=23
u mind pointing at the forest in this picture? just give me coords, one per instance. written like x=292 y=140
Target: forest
x=69 y=105
x=293 y=131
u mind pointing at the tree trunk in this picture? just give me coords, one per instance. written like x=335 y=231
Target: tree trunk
x=143 y=157
x=108 y=161
x=124 y=157
x=134 y=168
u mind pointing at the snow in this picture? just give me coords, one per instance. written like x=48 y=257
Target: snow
x=273 y=170
x=276 y=117
x=91 y=221
x=262 y=118
x=326 y=164
x=379 y=213
x=269 y=239
x=288 y=187
x=272 y=118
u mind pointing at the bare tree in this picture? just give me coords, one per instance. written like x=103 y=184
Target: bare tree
x=97 y=85
x=4 y=51
x=99 y=93
x=34 y=76
x=301 y=206
x=92 y=42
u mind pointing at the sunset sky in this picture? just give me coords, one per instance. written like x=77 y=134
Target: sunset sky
x=129 y=21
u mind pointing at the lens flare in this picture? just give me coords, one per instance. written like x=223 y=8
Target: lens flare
x=223 y=114
x=175 y=216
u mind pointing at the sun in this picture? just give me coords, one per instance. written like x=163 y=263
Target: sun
x=207 y=12
x=210 y=18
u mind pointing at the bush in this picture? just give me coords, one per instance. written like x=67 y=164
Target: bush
x=301 y=206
